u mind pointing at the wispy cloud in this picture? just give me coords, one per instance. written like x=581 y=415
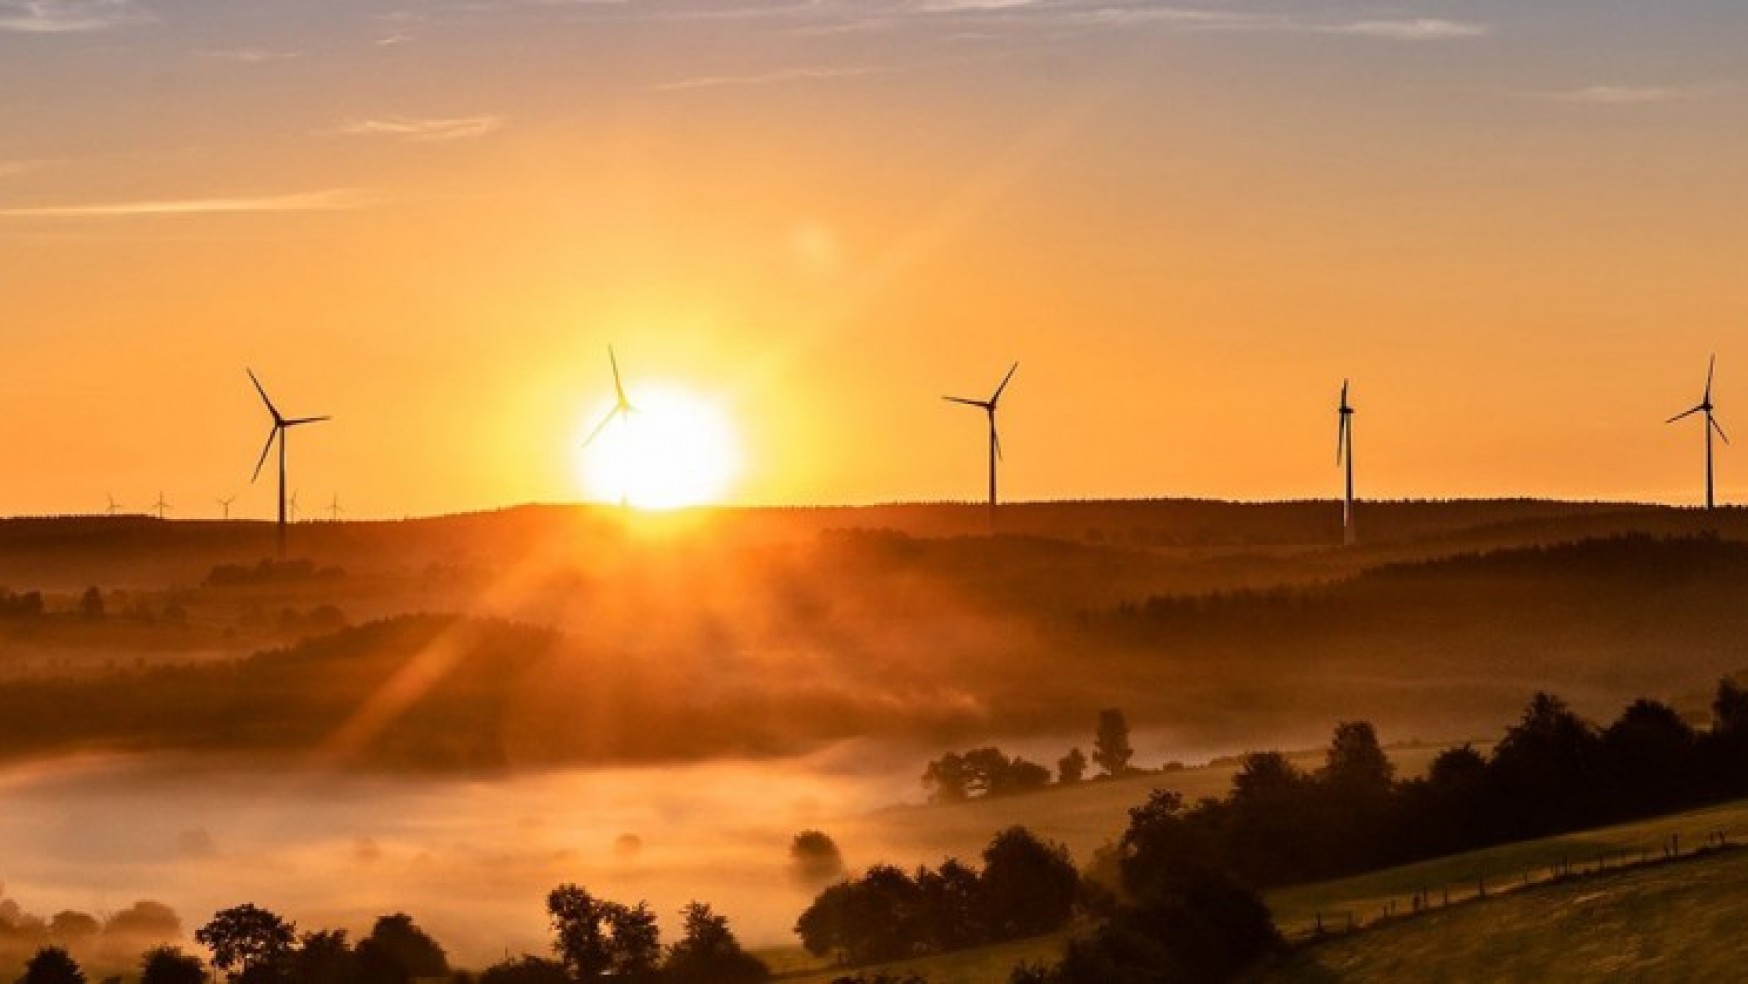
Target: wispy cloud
x=330 y=200
x=1619 y=95
x=68 y=16
x=252 y=56
x=767 y=78
x=428 y=130
x=1117 y=13
x=1416 y=29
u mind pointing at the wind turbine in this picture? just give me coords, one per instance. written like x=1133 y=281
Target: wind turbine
x=114 y=506
x=989 y=406
x=334 y=509
x=226 y=501
x=161 y=506
x=281 y=424
x=1705 y=406
x=291 y=505
x=621 y=405
x=1344 y=456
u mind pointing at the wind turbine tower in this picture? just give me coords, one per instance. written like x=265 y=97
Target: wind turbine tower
x=281 y=424
x=1344 y=457
x=1706 y=407
x=161 y=506
x=225 y=501
x=989 y=407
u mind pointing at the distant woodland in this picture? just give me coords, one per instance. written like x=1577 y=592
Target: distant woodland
x=691 y=648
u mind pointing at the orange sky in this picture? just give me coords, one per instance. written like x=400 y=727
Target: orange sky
x=1520 y=232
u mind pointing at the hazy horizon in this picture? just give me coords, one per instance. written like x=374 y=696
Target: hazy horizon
x=1188 y=224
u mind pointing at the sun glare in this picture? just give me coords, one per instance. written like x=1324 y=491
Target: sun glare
x=674 y=449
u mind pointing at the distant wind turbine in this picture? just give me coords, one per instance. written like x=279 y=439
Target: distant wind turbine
x=161 y=506
x=334 y=509
x=291 y=505
x=989 y=407
x=114 y=506
x=621 y=405
x=1344 y=456
x=281 y=424
x=1705 y=406
x=225 y=501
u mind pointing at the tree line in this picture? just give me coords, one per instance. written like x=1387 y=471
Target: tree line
x=1551 y=772
x=593 y=940
x=988 y=771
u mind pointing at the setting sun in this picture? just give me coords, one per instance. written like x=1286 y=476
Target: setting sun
x=673 y=449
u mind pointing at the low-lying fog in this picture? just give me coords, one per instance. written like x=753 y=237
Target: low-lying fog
x=472 y=861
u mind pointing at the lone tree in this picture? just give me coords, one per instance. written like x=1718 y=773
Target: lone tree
x=245 y=937
x=169 y=965
x=1071 y=768
x=814 y=857
x=52 y=965
x=1111 y=749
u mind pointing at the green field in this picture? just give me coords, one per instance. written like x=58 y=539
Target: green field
x=1680 y=921
x=1678 y=918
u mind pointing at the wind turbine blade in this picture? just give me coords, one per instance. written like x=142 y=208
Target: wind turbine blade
x=618 y=385
x=969 y=403
x=264 y=450
x=995 y=439
x=1717 y=427
x=1004 y=384
x=1340 y=438
x=1684 y=413
x=601 y=426
x=264 y=397
x=1711 y=367
x=303 y=420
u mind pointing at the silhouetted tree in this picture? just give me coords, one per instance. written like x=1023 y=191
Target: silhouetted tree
x=1730 y=709
x=866 y=919
x=1355 y=763
x=981 y=772
x=52 y=965
x=1726 y=747
x=73 y=928
x=950 y=906
x=397 y=951
x=814 y=857
x=1545 y=769
x=91 y=604
x=526 y=970
x=1111 y=749
x=597 y=938
x=1648 y=757
x=326 y=956
x=1029 y=885
x=1264 y=821
x=1071 y=768
x=147 y=918
x=246 y=938
x=169 y=965
x=1184 y=920
x=708 y=952
x=947 y=779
